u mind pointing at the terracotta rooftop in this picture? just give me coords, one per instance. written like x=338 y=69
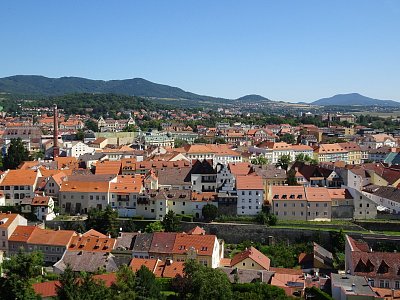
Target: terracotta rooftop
x=253 y=254
x=7 y=219
x=249 y=182
x=202 y=244
x=91 y=243
x=20 y=177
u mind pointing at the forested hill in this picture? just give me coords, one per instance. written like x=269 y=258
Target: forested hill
x=96 y=104
x=40 y=85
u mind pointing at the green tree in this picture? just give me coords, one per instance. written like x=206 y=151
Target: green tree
x=201 y=282
x=209 y=212
x=302 y=158
x=291 y=177
x=180 y=143
x=219 y=140
x=288 y=138
x=130 y=128
x=67 y=289
x=19 y=270
x=154 y=227
x=259 y=160
x=284 y=161
x=80 y=135
x=124 y=287
x=171 y=222
x=200 y=140
x=91 y=125
x=146 y=285
x=104 y=221
x=258 y=291
x=80 y=286
x=16 y=154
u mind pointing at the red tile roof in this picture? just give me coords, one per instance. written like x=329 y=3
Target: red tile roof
x=202 y=244
x=254 y=255
x=91 y=243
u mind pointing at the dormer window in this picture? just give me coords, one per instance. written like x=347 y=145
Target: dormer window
x=284 y=196
x=292 y=196
x=276 y=196
x=383 y=268
x=300 y=196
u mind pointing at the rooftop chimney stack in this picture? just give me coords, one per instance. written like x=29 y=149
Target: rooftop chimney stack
x=56 y=149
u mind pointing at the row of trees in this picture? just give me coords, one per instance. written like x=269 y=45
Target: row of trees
x=197 y=282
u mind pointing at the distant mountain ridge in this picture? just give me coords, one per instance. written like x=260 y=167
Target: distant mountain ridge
x=40 y=85
x=354 y=99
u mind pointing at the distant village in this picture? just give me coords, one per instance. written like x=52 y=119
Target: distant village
x=298 y=174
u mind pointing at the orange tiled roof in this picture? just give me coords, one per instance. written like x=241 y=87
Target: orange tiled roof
x=94 y=233
x=51 y=237
x=20 y=177
x=40 y=200
x=317 y=194
x=21 y=233
x=7 y=219
x=93 y=244
x=108 y=167
x=203 y=244
x=137 y=263
x=249 y=182
x=239 y=168
x=84 y=187
x=127 y=184
x=253 y=254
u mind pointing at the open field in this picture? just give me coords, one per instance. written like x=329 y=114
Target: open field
x=393 y=114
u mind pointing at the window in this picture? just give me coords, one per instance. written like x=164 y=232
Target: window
x=382 y=283
x=325 y=204
x=284 y=204
x=284 y=213
x=276 y=204
x=3 y=233
x=360 y=204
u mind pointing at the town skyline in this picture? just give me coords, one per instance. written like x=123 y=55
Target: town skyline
x=284 y=51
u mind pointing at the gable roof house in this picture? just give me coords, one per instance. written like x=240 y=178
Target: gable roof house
x=381 y=268
x=18 y=185
x=8 y=223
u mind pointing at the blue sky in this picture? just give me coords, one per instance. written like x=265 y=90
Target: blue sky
x=285 y=49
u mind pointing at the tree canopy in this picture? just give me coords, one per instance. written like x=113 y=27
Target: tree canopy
x=16 y=154
x=210 y=212
x=171 y=222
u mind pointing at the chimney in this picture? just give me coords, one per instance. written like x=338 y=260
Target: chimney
x=56 y=149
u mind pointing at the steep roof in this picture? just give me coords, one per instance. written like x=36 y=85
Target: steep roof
x=51 y=237
x=317 y=194
x=239 y=168
x=108 y=167
x=202 y=244
x=7 y=219
x=21 y=233
x=162 y=242
x=79 y=186
x=87 y=261
x=254 y=255
x=91 y=243
x=249 y=182
x=20 y=177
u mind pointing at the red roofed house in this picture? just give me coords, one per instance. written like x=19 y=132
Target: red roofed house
x=8 y=223
x=206 y=249
x=18 y=185
x=301 y=203
x=52 y=243
x=381 y=268
x=251 y=259
x=250 y=193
